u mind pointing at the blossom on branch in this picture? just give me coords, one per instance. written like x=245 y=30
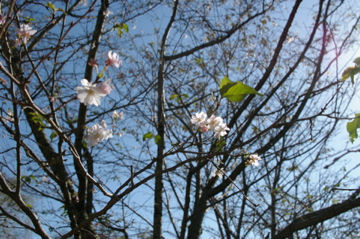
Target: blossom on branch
x=215 y=123
x=24 y=32
x=113 y=59
x=253 y=160
x=117 y=115
x=199 y=119
x=89 y=94
x=97 y=133
x=220 y=130
x=106 y=87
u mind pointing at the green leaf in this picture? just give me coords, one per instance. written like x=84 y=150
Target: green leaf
x=28 y=178
x=148 y=135
x=29 y=19
x=235 y=91
x=220 y=144
x=357 y=61
x=174 y=96
x=100 y=75
x=225 y=85
x=350 y=72
x=198 y=60
x=121 y=28
x=157 y=139
x=53 y=135
x=52 y=6
x=352 y=128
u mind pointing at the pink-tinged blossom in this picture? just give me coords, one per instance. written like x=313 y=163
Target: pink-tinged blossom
x=220 y=130
x=24 y=32
x=106 y=87
x=113 y=59
x=118 y=115
x=97 y=133
x=89 y=94
x=253 y=160
x=199 y=119
x=204 y=129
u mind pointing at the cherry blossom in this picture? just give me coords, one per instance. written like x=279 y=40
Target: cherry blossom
x=220 y=130
x=24 y=32
x=199 y=119
x=89 y=94
x=253 y=160
x=106 y=87
x=97 y=133
x=214 y=121
x=118 y=115
x=113 y=59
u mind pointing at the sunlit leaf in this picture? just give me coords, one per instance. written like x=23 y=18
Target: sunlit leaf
x=148 y=135
x=357 y=61
x=225 y=85
x=352 y=128
x=235 y=91
x=350 y=72
x=52 y=6
x=174 y=96
x=121 y=28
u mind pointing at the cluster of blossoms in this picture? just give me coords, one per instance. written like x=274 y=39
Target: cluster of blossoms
x=24 y=32
x=214 y=123
x=91 y=94
x=253 y=160
x=97 y=133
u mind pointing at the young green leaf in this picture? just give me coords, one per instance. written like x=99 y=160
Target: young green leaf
x=352 y=128
x=148 y=135
x=357 y=61
x=235 y=91
x=52 y=6
x=225 y=85
x=121 y=28
x=157 y=139
x=53 y=135
x=350 y=72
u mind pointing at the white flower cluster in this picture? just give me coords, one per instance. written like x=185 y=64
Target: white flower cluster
x=214 y=123
x=90 y=94
x=97 y=133
x=253 y=160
